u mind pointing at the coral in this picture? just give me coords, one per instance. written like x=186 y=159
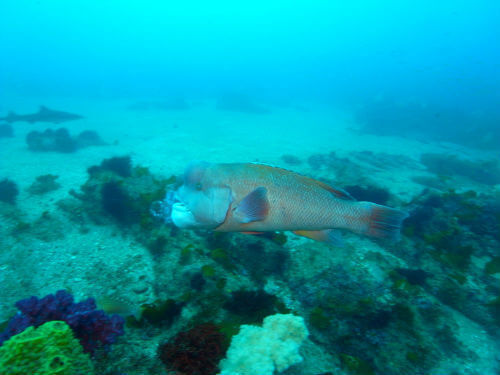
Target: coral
x=43 y=184
x=94 y=328
x=8 y=191
x=89 y=138
x=195 y=352
x=49 y=349
x=61 y=141
x=51 y=140
x=262 y=350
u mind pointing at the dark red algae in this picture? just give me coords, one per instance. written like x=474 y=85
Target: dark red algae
x=195 y=352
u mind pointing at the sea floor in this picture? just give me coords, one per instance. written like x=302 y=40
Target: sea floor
x=102 y=260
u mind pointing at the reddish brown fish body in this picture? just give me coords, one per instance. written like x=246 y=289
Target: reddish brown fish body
x=296 y=202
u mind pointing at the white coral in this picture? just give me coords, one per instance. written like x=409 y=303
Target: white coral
x=262 y=350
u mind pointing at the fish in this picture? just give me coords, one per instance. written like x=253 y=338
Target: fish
x=116 y=305
x=256 y=198
x=44 y=114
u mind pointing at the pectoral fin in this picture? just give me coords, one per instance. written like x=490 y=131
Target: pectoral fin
x=331 y=236
x=254 y=207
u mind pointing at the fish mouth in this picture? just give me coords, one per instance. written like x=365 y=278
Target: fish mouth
x=163 y=209
x=174 y=210
x=182 y=216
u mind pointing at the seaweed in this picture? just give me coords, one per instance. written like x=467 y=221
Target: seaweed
x=8 y=191
x=161 y=313
x=196 y=351
x=197 y=281
x=254 y=306
x=44 y=184
x=368 y=194
x=318 y=319
x=89 y=138
x=355 y=365
x=116 y=202
x=120 y=165
x=485 y=172
x=414 y=277
x=493 y=266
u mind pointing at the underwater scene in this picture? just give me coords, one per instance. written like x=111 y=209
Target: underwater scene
x=249 y=188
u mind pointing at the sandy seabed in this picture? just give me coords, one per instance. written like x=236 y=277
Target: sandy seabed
x=165 y=142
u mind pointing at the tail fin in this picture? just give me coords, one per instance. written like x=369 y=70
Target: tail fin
x=383 y=222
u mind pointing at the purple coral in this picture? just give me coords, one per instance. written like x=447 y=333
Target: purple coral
x=94 y=328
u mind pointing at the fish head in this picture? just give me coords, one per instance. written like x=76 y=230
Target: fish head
x=200 y=202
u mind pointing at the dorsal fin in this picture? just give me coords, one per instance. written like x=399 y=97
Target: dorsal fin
x=337 y=192
x=43 y=109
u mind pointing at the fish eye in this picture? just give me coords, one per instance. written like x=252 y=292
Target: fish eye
x=198 y=186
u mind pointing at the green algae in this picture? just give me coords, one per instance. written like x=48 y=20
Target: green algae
x=186 y=254
x=404 y=313
x=221 y=283
x=318 y=319
x=161 y=313
x=208 y=271
x=221 y=256
x=280 y=238
x=355 y=365
x=493 y=266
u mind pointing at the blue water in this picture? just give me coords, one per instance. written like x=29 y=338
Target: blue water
x=337 y=52
x=395 y=102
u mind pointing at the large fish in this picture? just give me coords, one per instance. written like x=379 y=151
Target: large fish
x=44 y=114
x=251 y=197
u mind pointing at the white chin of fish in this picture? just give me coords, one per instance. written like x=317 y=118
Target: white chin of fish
x=182 y=217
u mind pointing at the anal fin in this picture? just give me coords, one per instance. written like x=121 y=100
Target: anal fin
x=330 y=236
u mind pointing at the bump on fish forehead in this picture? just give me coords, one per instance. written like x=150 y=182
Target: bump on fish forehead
x=194 y=173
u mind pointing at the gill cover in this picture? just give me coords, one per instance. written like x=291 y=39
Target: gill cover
x=201 y=204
